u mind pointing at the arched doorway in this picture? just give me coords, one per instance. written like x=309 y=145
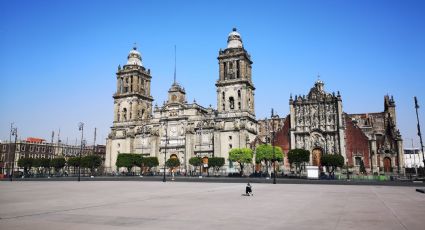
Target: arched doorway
x=205 y=164
x=387 y=164
x=317 y=155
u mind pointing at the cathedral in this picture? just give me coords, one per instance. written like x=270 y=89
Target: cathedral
x=318 y=123
x=179 y=129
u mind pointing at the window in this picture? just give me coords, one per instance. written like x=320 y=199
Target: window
x=225 y=70
x=230 y=138
x=4 y=147
x=31 y=148
x=358 y=160
x=43 y=149
x=126 y=86
x=22 y=148
x=232 y=102
x=230 y=146
x=237 y=69
x=124 y=114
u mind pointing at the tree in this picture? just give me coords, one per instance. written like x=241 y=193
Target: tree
x=216 y=163
x=297 y=157
x=91 y=162
x=242 y=156
x=172 y=163
x=195 y=162
x=332 y=162
x=58 y=163
x=73 y=162
x=128 y=160
x=150 y=162
x=264 y=153
x=25 y=163
x=45 y=164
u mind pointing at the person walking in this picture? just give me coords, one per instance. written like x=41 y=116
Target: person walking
x=248 y=190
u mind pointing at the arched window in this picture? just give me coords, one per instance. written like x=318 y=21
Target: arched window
x=124 y=114
x=126 y=86
x=143 y=113
x=232 y=102
x=224 y=99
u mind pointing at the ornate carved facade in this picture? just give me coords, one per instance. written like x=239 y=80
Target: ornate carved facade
x=178 y=128
x=317 y=123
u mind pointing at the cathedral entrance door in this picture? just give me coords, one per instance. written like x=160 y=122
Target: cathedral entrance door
x=205 y=164
x=387 y=164
x=317 y=154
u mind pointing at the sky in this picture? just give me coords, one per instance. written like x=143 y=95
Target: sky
x=58 y=59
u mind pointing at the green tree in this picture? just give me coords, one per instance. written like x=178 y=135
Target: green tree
x=172 y=163
x=332 y=162
x=297 y=157
x=150 y=162
x=264 y=153
x=196 y=162
x=25 y=163
x=216 y=163
x=91 y=162
x=58 y=163
x=42 y=163
x=243 y=156
x=128 y=160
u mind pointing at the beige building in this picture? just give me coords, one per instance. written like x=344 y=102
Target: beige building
x=180 y=129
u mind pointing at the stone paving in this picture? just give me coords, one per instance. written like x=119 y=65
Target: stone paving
x=157 y=205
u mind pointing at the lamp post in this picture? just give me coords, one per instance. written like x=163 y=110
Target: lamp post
x=80 y=128
x=14 y=133
x=274 y=155
x=165 y=150
x=419 y=129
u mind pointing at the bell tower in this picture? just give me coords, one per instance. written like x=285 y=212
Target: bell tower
x=235 y=90
x=235 y=116
x=132 y=100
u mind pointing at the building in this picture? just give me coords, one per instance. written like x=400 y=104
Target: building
x=413 y=158
x=318 y=123
x=39 y=148
x=179 y=129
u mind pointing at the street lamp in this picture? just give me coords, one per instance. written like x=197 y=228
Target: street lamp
x=81 y=128
x=274 y=155
x=14 y=132
x=165 y=151
x=419 y=129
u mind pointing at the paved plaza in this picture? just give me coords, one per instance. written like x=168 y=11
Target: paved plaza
x=171 y=205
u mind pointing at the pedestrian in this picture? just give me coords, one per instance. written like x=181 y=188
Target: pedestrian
x=248 y=190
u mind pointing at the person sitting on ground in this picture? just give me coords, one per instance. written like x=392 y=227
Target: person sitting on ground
x=248 y=190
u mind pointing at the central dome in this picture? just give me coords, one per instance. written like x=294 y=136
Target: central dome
x=234 y=39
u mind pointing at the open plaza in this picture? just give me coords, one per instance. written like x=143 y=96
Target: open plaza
x=182 y=205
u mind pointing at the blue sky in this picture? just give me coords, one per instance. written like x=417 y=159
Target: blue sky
x=58 y=58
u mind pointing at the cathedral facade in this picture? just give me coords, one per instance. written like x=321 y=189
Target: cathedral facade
x=318 y=123
x=179 y=129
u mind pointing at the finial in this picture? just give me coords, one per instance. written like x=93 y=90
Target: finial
x=234 y=29
x=134 y=46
